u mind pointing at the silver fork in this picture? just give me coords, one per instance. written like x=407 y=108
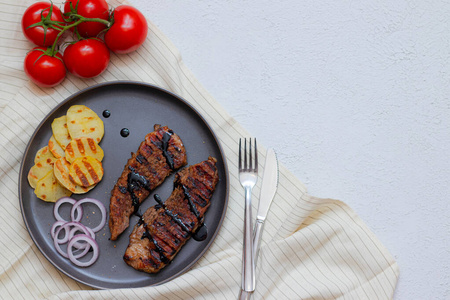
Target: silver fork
x=248 y=176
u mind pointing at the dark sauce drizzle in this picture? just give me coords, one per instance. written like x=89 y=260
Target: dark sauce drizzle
x=171 y=214
x=158 y=248
x=147 y=234
x=125 y=132
x=135 y=181
x=165 y=146
x=106 y=113
x=191 y=204
x=202 y=231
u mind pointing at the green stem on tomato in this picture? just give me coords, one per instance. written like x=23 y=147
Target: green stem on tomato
x=79 y=37
x=80 y=20
x=80 y=17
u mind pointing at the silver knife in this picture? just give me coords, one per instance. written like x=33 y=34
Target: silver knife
x=268 y=188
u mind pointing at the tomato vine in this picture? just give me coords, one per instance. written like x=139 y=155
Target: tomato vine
x=44 y=24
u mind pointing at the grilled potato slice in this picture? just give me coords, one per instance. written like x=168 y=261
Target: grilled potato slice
x=60 y=132
x=84 y=122
x=86 y=171
x=83 y=147
x=48 y=188
x=61 y=170
x=43 y=153
x=55 y=148
x=39 y=170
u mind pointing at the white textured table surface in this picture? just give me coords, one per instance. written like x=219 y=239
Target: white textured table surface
x=355 y=98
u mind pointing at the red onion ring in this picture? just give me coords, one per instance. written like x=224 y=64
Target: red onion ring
x=86 y=230
x=56 y=244
x=81 y=254
x=76 y=227
x=71 y=201
x=93 y=201
x=53 y=229
x=85 y=238
x=83 y=241
x=64 y=254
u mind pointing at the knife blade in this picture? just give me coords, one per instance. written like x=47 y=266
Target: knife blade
x=268 y=189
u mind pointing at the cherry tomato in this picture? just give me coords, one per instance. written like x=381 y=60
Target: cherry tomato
x=89 y=9
x=42 y=69
x=86 y=58
x=37 y=34
x=129 y=30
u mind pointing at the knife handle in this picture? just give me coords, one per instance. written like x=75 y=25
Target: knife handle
x=257 y=234
x=243 y=295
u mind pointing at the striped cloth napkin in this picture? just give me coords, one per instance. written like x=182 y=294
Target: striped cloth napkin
x=312 y=248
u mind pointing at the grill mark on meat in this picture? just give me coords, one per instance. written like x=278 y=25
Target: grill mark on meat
x=169 y=236
x=171 y=214
x=144 y=171
x=175 y=231
x=140 y=158
x=160 y=221
x=201 y=197
x=162 y=258
x=145 y=153
x=168 y=233
x=164 y=236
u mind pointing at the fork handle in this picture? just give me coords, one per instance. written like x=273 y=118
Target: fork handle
x=248 y=265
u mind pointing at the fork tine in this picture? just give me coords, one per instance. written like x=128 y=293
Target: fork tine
x=256 y=157
x=250 y=154
x=245 y=154
x=249 y=163
x=240 y=156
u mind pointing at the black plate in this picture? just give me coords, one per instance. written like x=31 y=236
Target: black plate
x=136 y=106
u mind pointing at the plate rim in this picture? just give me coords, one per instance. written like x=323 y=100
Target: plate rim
x=147 y=85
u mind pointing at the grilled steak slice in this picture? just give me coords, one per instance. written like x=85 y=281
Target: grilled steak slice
x=159 y=154
x=165 y=227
